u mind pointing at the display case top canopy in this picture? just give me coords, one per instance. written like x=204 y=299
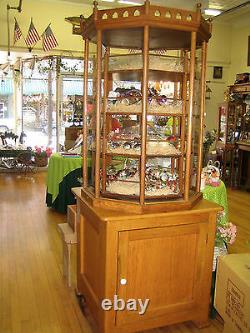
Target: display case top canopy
x=123 y=27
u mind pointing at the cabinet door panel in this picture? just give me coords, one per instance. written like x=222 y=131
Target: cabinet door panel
x=163 y=265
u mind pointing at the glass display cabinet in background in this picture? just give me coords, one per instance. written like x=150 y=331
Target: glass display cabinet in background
x=231 y=116
x=143 y=224
x=232 y=128
x=146 y=129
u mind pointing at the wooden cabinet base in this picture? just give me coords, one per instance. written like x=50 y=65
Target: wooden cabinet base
x=165 y=257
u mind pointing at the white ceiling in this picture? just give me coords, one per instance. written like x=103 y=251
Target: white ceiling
x=224 y=5
x=215 y=4
x=188 y=4
x=231 y=9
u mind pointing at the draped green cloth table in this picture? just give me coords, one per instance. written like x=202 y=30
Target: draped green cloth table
x=64 y=173
x=218 y=195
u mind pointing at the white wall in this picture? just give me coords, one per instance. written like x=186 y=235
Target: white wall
x=239 y=50
x=219 y=54
x=43 y=12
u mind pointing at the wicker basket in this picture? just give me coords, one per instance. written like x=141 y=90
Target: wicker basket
x=41 y=161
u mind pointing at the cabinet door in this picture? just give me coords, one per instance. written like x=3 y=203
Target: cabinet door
x=164 y=265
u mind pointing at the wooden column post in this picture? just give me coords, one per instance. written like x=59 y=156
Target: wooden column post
x=144 y=113
x=85 y=108
x=98 y=113
x=183 y=121
x=190 y=114
x=202 y=112
x=105 y=103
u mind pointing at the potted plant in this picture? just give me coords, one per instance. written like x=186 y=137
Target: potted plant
x=41 y=155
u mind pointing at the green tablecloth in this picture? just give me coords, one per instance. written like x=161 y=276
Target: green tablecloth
x=59 y=167
x=65 y=196
x=64 y=173
x=218 y=195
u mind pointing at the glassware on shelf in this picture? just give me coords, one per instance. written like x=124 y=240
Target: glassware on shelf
x=148 y=105
x=160 y=180
x=129 y=100
x=156 y=62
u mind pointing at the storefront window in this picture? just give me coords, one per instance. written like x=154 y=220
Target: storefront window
x=38 y=106
x=7 y=113
x=46 y=99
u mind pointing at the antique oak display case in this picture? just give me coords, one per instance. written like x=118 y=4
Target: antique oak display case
x=143 y=229
x=146 y=130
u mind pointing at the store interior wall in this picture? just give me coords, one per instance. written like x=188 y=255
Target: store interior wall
x=218 y=55
x=227 y=48
x=43 y=12
x=239 y=49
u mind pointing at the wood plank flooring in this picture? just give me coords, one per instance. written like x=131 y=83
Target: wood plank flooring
x=239 y=214
x=34 y=297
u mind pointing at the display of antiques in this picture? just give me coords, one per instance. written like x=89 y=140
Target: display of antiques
x=75 y=116
x=14 y=154
x=143 y=229
x=154 y=115
x=233 y=127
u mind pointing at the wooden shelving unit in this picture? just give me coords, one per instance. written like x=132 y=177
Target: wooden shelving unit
x=231 y=127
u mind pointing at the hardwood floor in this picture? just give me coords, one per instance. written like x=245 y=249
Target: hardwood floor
x=34 y=297
x=239 y=208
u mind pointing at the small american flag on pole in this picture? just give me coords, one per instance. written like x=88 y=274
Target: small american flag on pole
x=49 y=39
x=32 y=37
x=17 y=32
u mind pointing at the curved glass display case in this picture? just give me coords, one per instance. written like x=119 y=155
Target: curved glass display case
x=144 y=133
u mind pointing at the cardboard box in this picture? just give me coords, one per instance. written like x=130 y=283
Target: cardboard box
x=232 y=292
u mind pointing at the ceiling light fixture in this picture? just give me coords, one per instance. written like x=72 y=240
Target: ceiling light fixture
x=212 y=12
x=108 y=0
x=128 y=2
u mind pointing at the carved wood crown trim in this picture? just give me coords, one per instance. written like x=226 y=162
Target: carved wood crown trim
x=153 y=15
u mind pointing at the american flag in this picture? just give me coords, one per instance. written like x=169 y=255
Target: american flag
x=17 y=32
x=49 y=39
x=32 y=37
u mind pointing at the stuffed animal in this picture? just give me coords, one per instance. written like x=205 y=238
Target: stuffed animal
x=212 y=173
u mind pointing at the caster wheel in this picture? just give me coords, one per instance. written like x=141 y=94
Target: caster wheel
x=81 y=300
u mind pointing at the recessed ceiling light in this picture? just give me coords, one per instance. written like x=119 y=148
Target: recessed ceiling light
x=212 y=12
x=128 y=2
x=108 y=0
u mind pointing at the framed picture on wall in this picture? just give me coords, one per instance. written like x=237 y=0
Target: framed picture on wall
x=217 y=72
